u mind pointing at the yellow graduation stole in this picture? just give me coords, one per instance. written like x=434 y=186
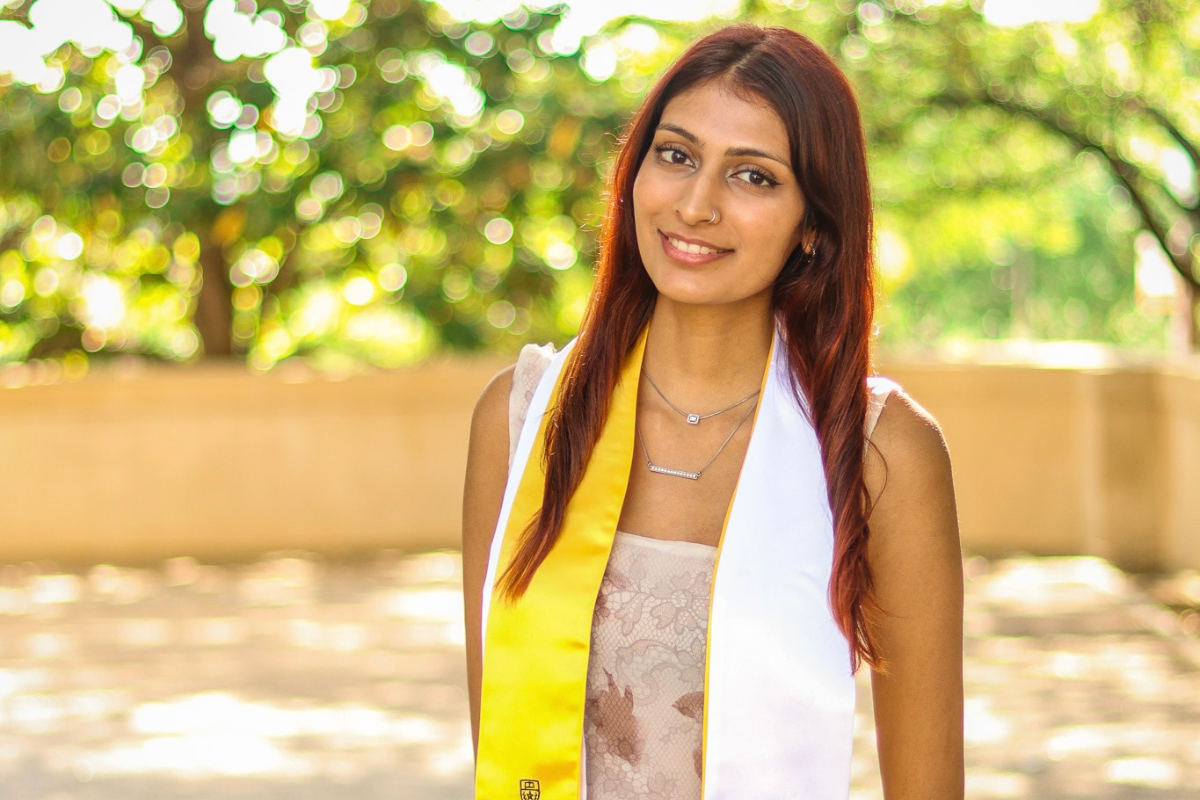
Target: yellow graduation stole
x=779 y=693
x=536 y=650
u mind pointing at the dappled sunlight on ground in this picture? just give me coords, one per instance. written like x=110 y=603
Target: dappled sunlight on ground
x=1077 y=686
x=287 y=678
x=297 y=678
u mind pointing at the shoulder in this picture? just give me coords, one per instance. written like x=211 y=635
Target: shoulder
x=487 y=464
x=909 y=478
x=491 y=410
x=502 y=407
x=907 y=435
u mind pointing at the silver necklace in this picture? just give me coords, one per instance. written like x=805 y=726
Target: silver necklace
x=694 y=419
x=683 y=473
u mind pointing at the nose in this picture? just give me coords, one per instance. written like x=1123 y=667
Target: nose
x=699 y=202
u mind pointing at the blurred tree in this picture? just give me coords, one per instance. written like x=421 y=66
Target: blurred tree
x=1024 y=159
x=1118 y=88
x=359 y=181
x=329 y=176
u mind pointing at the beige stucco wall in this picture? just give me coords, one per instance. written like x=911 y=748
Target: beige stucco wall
x=1058 y=460
x=1015 y=444
x=222 y=464
x=1179 y=540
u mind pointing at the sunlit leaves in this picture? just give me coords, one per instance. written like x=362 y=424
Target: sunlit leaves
x=1007 y=229
x=354 y=191
x=363 y=183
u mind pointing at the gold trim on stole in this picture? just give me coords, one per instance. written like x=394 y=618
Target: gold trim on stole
x=536 y=650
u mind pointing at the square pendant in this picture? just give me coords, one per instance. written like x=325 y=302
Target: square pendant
x=693 y=419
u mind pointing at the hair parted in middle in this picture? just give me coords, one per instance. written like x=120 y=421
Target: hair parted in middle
x=823 y=299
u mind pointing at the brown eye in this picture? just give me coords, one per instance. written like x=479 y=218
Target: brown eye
x=672 y=155
x=757 y=177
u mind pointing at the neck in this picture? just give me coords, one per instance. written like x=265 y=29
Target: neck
x=699 y=353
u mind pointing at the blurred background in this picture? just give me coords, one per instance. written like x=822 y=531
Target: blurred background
x=259 y=257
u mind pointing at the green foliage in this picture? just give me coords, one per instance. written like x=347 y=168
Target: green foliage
x=439 y=189
x=1012 y=167
x=396 y=181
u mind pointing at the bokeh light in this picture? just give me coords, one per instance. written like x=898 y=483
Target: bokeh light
x=438 y=169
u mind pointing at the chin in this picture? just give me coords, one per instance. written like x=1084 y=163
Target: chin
x=691 y=289
x=690 y=294
x=707 y=286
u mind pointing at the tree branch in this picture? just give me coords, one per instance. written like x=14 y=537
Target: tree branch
x=1189 y=146
x=1126 y=173
x=1193 y=150
x=10 y=239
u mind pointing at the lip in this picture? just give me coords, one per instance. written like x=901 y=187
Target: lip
x=691 y=259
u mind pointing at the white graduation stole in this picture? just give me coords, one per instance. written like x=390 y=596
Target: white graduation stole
x=779 y=692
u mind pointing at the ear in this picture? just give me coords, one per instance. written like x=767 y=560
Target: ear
x=806 y=235
x=807 y=238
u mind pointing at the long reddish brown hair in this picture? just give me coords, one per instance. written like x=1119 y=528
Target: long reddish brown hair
x=824 y=299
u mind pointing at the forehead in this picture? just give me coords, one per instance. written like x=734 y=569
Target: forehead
x=718 y=115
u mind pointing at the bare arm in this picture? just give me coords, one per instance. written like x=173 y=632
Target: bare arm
x=916 y=564
x=487 y=473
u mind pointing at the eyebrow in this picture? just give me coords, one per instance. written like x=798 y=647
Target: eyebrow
x=736 y=152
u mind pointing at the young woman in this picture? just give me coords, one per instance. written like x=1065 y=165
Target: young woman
x=713 y=515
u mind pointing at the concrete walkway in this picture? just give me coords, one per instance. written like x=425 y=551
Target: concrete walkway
x=300 y=679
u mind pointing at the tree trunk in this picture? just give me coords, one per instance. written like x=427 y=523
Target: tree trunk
x=214 y=303
x=1192 y=323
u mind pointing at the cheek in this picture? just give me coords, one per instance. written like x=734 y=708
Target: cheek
x=774 y=250
x=647 y=196
x=642 y=211
x=790 y=223
x=791 y=244
x=638 y=199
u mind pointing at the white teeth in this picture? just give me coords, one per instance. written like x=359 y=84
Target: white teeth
x=687 y=247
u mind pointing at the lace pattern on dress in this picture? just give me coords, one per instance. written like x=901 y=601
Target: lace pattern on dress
x=531 y=365
x=643 y=718
x=880 y=389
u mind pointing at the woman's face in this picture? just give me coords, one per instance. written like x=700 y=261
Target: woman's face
x=715 y=151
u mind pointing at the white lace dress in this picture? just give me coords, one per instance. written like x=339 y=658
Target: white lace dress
x=643 y=721
x=643 y=718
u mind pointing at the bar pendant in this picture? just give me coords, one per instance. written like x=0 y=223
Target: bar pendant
x=678 y=473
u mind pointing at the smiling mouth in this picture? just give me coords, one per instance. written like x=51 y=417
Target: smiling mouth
x=691 y=248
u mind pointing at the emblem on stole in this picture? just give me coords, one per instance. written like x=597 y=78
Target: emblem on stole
x=530 y=790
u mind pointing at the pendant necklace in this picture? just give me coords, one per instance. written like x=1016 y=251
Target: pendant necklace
x=694 y=419
x=682 y=473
